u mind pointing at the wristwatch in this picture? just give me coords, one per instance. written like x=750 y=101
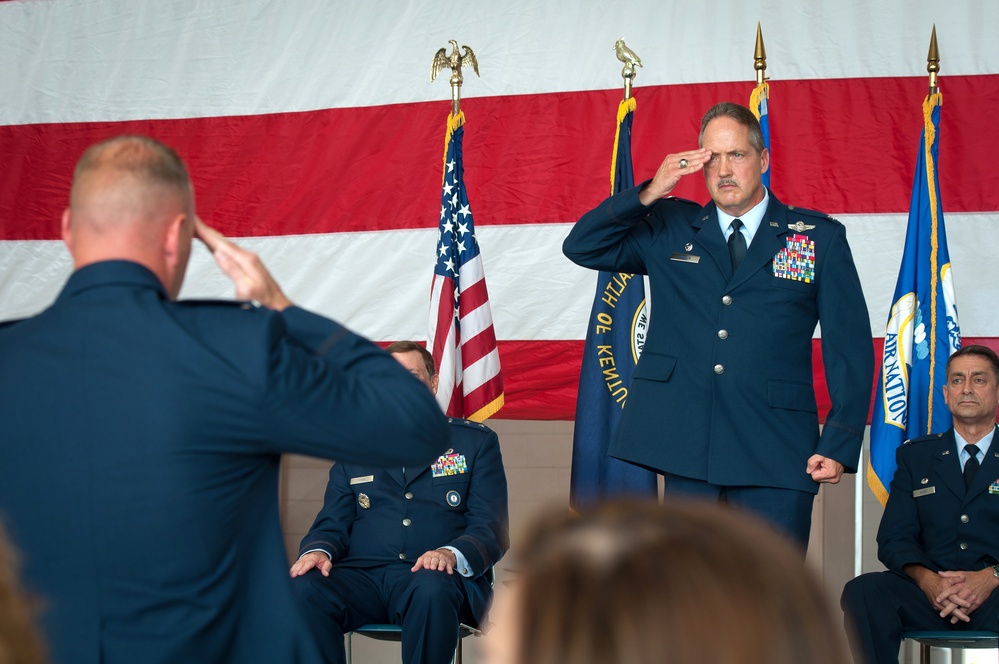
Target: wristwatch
x=995 y=571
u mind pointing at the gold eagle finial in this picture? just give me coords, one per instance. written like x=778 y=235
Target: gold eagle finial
x=630 y=60
x=454 y=62
x=628 y=57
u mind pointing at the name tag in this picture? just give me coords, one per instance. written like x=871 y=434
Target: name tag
x=924 y=492
x=362 y=480
x=685 y=258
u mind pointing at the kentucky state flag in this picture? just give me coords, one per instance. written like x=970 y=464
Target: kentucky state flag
x=619 y=321
x=922 y=328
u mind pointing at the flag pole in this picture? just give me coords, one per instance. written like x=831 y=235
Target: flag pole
x=460 y=333
x=760 y=57
x=933 y=62
x=759 y=99
x=615 y=332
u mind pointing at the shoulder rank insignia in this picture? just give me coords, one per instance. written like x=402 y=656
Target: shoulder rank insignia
x=800 y=227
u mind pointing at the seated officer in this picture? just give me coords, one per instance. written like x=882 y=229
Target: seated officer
x=410 y=546
x=939 y=536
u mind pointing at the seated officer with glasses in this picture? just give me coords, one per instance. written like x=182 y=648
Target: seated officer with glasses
x=939 y=536
x=411 y=546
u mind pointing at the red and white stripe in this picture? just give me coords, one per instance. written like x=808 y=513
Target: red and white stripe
x=313 y=136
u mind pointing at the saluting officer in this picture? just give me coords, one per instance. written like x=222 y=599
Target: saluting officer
x=722 y=400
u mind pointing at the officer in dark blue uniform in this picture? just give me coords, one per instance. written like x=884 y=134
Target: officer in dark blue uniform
x=939 y=535
x=411 y=546
x=722 y=399
x=142 y=437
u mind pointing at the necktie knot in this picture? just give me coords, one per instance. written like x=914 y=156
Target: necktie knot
x=736 y=244
x=971 y=465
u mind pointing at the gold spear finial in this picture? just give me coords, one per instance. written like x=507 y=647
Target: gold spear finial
x=760 y=57
x=630 y=60
x=454 y=62
x=933 y=61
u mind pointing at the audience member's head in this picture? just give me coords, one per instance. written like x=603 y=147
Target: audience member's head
x=640 y=583
x=132 y=199
x=20 y=640
x=419 y=361
x=971 y=390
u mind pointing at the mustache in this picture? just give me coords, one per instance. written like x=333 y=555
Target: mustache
x=727 y=182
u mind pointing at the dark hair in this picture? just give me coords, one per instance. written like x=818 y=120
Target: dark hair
x=978 y=351
x=682 y=583
x=740 y=114
x=409 y=347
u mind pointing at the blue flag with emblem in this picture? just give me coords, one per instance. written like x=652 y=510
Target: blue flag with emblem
x=922 y=329
x=615 y=335
x=759 y=104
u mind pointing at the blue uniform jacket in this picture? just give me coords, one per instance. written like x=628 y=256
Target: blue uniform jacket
x=373 y=516
x=723 y=390
x=139 y=462
x=931 y=519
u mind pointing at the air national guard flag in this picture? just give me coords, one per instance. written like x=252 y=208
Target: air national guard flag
x=758 y=103
x=461 y=335
x=922 y=328
x=615 y=335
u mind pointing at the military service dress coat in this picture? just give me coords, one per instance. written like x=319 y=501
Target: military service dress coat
x=139 y=454
x=932 y=520
x=723 y=391
x=385 y=516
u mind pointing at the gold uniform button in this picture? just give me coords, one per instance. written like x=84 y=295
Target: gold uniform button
x=723 y=334
x=964 y=518
x=726 y=300
x=963 y=546
x=402 y=556
x=409 y=495
x=407 y=522
x=719 y=369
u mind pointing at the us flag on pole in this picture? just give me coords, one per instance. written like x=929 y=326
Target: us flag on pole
x=461 y=334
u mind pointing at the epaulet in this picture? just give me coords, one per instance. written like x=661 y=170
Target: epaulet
x=812 y=214
x=458 y=421
x=247 y=305
x=922 y=439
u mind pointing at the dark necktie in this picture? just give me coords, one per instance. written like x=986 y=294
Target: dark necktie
x=971 y=465
x=736 y=244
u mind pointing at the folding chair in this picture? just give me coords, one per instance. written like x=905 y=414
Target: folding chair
x=955 y=640
x=384 y=632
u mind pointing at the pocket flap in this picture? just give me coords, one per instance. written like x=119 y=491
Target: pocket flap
x=791 y=396
x=655 y=367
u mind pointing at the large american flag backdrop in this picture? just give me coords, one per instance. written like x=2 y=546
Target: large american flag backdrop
x=313 y=133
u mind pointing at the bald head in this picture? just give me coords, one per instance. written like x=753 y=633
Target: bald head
x=132 y=199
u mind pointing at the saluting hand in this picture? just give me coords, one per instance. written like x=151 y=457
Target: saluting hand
x=247 y=271
x=674 y=167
